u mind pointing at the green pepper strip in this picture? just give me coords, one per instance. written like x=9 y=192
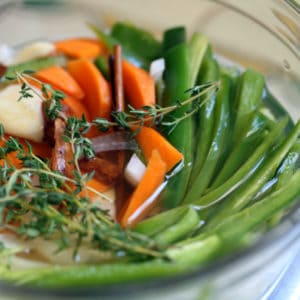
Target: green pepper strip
x=246 y=169
x=109 y=41
x=220 y=136
x=173 y=37
x=210 y=72
x=243 y=195
x=177 y=80
x=185 y=226
x=136 y=40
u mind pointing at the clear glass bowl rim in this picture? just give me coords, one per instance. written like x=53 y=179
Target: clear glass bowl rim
x=288 y=229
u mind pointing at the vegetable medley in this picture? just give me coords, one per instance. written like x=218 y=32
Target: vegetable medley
x=125 y=157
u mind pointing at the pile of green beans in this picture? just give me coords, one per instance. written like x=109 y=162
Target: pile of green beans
x=240 y=165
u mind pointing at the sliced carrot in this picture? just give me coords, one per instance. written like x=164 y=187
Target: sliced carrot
x=60 y=79
x=80 y=47
x=150 y=139
x=96 y=185
x=76 y=108
x=153 y=177
x=98 y=98
x=139 y=86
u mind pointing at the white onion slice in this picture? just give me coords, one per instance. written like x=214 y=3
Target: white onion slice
x=134 y=170
x=157 y=68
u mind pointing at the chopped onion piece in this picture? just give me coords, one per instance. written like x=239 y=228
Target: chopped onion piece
x=134 y=170
x=114 y=141
x=157 y=68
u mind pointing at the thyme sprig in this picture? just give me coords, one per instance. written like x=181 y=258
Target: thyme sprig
x=55 y=206
x=51 y=208
x=160 y=115
x=133 y=117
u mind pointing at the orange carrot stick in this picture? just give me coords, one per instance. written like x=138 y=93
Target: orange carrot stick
x=150 y=139
x=139 y=86
x=60 y=79
x=76 y=108
x=80 y=47
x=152 y=179
x=98 y=99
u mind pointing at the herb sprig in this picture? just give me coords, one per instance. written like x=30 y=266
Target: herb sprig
x=52 y=208
x=55 y=205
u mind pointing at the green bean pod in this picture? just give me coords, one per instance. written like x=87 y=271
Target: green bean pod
x=235 y=226
x=209 y=72
x=243 y=195
x=161 y=221
x=246 y=169
x=185 y=226
x=220 y=136
x=185 y=258
x=248 y=99
x=243 y=150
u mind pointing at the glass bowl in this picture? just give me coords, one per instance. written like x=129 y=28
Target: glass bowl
x=264 y=35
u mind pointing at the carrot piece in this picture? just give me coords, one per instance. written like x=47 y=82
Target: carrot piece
x=96 y=185
x=139 y=86
x=76 y=108
x=98 y=98
x=150 y=139
x=80 y=47
x=60 y=79
x=153 y=177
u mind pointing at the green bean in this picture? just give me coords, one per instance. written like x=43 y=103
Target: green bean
x=248 y=99
x=220 y=136
x=209 y=72
x=182 y=259
x=188 y=222
x=283 y=174
x=197 y=252
x=242 y=150
x=246 y=169
x=235 y=226
x=161 y=221
x=177 y=81
x=173 y=37
x=243 y=195
x=289 y=165
x=35 y=65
